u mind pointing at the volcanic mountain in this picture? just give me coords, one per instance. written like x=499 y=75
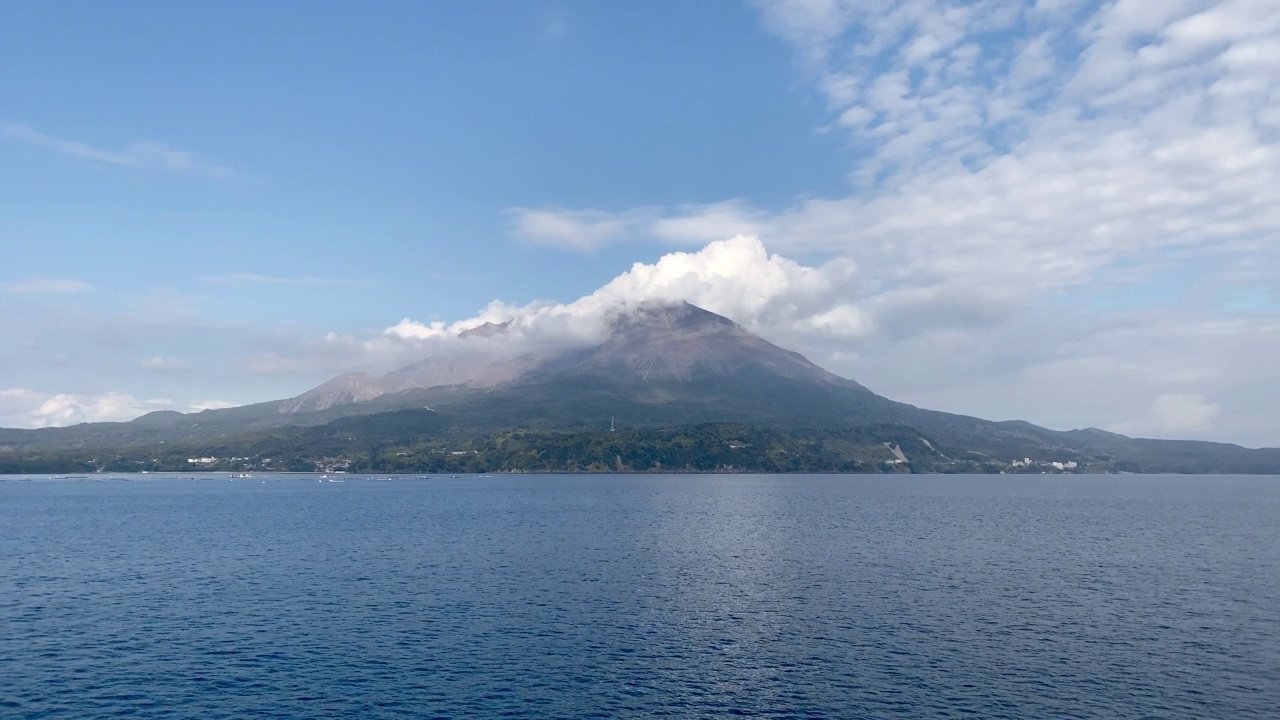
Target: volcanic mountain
x=647 y=347
x=657 y=363
x=653 y=366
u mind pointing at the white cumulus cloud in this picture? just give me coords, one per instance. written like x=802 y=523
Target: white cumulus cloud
x=737 y=277
x=26 y=408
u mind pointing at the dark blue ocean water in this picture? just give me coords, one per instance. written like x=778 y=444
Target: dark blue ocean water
x=678 y=596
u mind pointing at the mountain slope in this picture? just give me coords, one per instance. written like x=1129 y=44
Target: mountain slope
x=684 y=342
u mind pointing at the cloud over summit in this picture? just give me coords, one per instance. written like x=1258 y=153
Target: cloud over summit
x=736 y=277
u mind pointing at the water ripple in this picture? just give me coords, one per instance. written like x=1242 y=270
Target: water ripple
x=577 y=597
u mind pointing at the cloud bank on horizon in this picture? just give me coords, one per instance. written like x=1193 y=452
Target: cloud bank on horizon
x=1060 y=210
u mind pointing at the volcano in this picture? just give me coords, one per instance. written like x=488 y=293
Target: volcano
x=652 y=367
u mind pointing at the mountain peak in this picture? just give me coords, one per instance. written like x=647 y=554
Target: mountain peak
x=488 y=329
x=648 y=342
x=681 y=341
x=672 y=316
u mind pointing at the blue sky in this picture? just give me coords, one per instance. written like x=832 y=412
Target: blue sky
x=1054 y=210
x=383 y=146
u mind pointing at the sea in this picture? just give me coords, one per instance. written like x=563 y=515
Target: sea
x=614 y=596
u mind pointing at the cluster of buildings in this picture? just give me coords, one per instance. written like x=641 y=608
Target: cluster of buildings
x=212 y=460
x=1056 y=465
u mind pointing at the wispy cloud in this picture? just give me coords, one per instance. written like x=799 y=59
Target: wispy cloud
x=45 y=286
x=140 y=156
x=580 y=230
x=556 y=24
x=203 y=405
x=159 y=363
x=246 y=279
x=681 y=225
